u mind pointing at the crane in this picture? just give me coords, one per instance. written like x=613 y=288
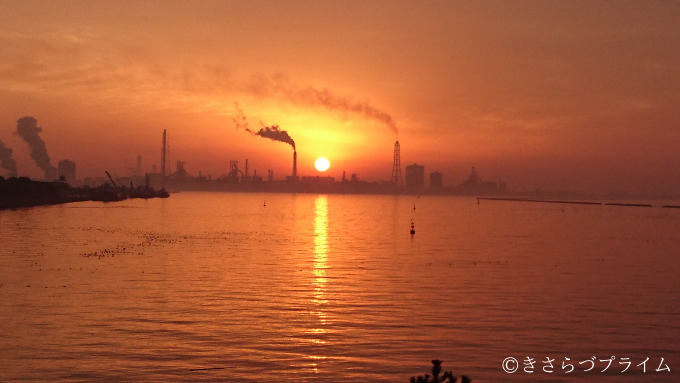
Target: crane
x=111 y=178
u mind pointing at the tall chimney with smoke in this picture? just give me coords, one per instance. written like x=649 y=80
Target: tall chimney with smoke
x=294 y=164
x=272 y=132
x=27 y=128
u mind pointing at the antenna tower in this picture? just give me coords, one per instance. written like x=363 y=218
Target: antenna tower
x=396 y=167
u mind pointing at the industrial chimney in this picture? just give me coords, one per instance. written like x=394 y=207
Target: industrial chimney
x=294 y=164
x=164 y=153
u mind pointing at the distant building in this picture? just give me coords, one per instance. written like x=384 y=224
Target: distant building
x=317 y=180
x=180 y=173
x=67 y=171
x=415 y=177
x=436 y=180
x=475 y=185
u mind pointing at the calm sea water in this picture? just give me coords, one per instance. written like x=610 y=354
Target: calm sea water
x=220 y=287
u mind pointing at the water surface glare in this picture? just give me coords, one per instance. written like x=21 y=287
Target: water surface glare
x=303 y=288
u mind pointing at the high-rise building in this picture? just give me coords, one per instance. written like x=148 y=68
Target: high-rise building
x=415 y=177
x=67 y=170
x=436 y=180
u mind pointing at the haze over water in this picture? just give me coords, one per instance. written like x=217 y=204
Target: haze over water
x=219 y=287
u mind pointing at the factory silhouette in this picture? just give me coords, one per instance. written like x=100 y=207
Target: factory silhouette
x=240 y=178
x=60 y=185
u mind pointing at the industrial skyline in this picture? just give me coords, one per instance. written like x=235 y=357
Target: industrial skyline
x=576 y=96
x=415 y=180
x=235 y=178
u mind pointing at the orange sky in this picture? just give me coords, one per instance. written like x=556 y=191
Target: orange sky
x=562 y=95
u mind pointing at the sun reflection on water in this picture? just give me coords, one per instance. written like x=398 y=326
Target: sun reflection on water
x=320 y=249
x=319 y=281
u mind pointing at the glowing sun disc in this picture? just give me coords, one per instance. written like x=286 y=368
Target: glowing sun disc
x=321 y=164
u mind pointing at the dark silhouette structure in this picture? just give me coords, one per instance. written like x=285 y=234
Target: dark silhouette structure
x=294 y=164
x=164 y=152
x=415 y=177
x=396 y=166
x=67 y=171
x=474 y=185
x=436 y=180
x=24 y=192
x=436 y=370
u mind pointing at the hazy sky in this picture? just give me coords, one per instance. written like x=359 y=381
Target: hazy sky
x=562 y=95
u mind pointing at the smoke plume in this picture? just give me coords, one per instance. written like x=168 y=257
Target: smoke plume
x=240 y=119
x=7 y=161
x=327 y=99
x=272 y=132
x=27 y=128
x=280 y=86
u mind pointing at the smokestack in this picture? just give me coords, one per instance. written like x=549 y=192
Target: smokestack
x=7 y=161
x=163 y=153
x=27 y=128
x=294 y=164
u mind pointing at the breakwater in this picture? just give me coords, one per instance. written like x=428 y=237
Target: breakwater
x=575 y=202
x=24 y=192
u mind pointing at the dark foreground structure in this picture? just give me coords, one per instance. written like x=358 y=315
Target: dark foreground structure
x=24 y=192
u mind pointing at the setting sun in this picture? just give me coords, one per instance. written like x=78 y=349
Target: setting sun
x=322 y=164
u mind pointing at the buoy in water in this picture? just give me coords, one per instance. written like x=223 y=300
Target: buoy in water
x=413 y=228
